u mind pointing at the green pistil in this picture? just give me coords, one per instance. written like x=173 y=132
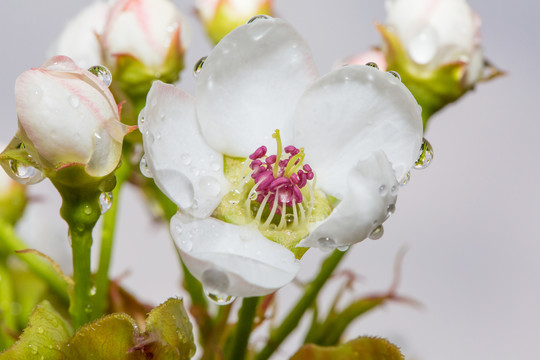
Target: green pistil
x=276 y=136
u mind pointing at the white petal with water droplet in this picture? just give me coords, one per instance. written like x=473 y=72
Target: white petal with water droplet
x=171 y=137
x=250 y=84
x=252 y=264
x=363 y=207
x=357 y=110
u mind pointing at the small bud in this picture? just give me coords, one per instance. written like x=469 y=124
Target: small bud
x=222 y=16
x=67 y=116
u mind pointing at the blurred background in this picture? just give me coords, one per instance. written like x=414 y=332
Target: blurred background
x=469 y=221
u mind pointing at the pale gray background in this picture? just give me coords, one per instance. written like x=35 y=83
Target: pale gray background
x=470 y=221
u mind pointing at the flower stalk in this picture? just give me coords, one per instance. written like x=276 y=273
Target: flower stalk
x=240 y=336
x=81 y=211
x=310 y=294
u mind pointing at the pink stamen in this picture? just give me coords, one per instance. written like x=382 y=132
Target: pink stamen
x=271 y=159
x=279 y=185
x=255 y=164
x=260 y=152
x=280 y=181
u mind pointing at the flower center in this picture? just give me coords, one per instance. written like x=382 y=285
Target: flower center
x=276 y=193
x=278 y=183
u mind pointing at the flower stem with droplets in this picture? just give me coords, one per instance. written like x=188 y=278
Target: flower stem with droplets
x=240 y=336
x=81 y=211
x=310 y=294
x=107 y=241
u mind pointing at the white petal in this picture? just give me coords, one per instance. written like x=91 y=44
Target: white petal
x=352 y=112
x=249 y=86
x=79 y=39
x=247 y=263
x=434 y=32
x=184 y=167
x=370 y=197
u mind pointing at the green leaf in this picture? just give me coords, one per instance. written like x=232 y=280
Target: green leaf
x=329 y=332
x=110 y=337
x=362 y=348
x=170 y=329
x=43 y=337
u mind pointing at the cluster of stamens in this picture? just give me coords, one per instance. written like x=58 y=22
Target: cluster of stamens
x=278 y=182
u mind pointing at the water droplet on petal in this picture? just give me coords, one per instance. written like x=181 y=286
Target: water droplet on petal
x=405 y=179
x=258 y=17
x=326 y=243
x=210 y=185
x=383 y=190
x=373 y=65
x=145 y=170
x=178 y=229
x=390 y=209
x=105 y=201
x=394 y=190
x=186 y=159
x=343 y=248
x=24 y=174
x=198 y=66
x=33 y=349
x=74 y=101
x=88 y=309
x=426 y=155
x=377 y=233
x=102 y=74
x=92 y=291
x=395 y=74
x=219 y=299
x=40 y=330
x=215 y=280
x=423 y=48
x=187 y=245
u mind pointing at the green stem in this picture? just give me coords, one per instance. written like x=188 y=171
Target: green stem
x=107 y=241
x=81 y=306
x=240 y=336
x=10 y=243
x=81 y=211
x=291 y=321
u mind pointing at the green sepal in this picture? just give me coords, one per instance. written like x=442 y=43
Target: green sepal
x=432 y=88
x=362 y=348
x=135 y=78
x=110 y=337
x=43 y=338
x=170 y=329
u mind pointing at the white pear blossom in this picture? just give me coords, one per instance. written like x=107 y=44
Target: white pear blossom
x=145 y=30
x=438 y=32
x=67 y=115
x=268 y=159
